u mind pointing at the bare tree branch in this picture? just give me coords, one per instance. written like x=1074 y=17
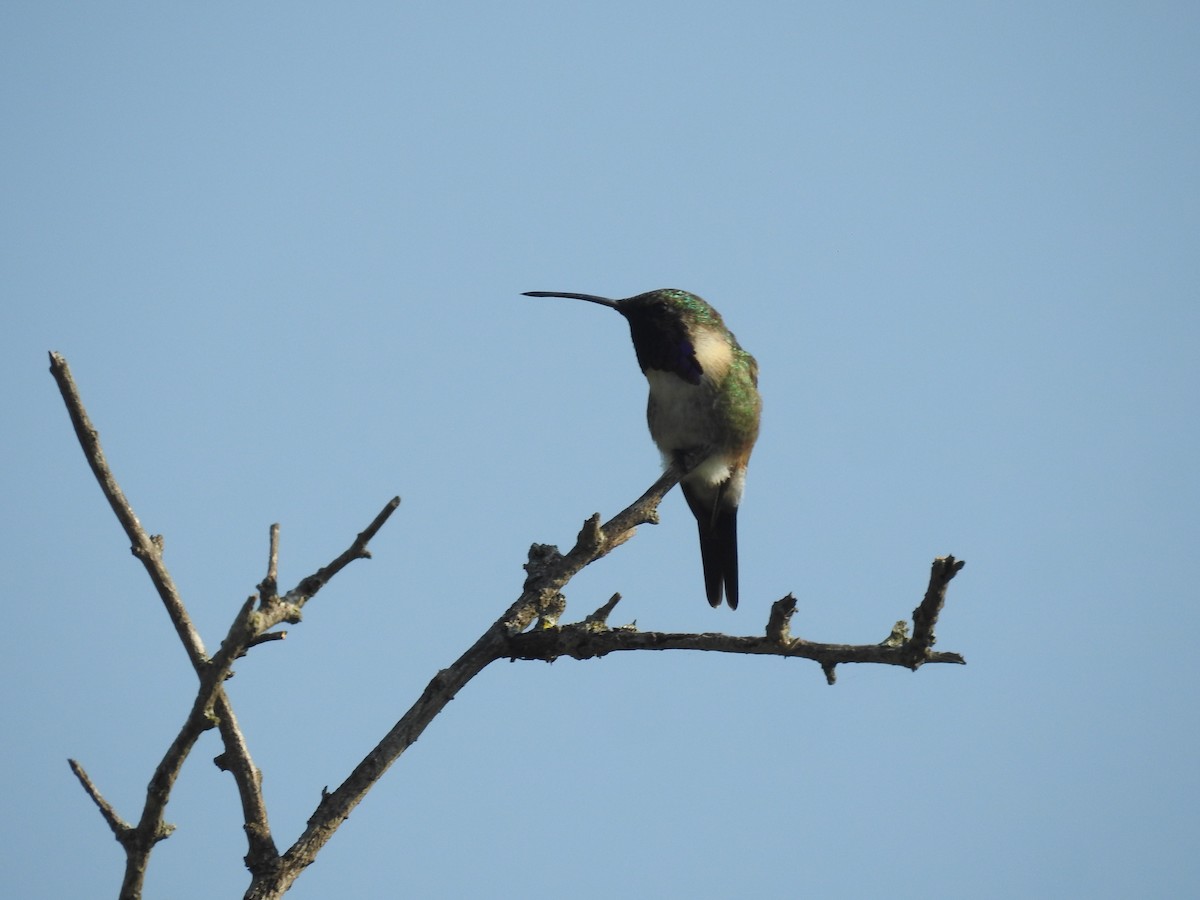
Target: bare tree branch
x=926 y=614
x=211 y=705
x=548 y=571
x=268 y=589
x=151 y=827
x=263 y=859
x=509 y=637
x=592 y=638
x=146 y=548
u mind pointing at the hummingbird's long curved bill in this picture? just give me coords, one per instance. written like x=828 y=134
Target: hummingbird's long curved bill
x=592 y=298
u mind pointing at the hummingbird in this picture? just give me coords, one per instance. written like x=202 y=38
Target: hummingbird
x=703 y=413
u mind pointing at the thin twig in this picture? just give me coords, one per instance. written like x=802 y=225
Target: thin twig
x=926 y=614
x=144 y=547
x=269 y=588
x=308 y=587
x=780 y=619
x=267 y=638
x=236 y=760
x=120 y=828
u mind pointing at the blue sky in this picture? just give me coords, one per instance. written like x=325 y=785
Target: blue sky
x=282 y=247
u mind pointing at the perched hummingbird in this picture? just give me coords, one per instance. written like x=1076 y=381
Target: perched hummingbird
x=703 y=413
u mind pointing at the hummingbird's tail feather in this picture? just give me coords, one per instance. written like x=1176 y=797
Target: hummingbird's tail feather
x=726 y=546
x=718 y=549
x=710 y=555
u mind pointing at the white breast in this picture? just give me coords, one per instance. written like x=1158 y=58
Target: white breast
x=682 y=416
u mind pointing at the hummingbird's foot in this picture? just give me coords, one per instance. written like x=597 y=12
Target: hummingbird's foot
x=688 y=460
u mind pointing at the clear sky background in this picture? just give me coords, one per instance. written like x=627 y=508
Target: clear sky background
x=282 y=246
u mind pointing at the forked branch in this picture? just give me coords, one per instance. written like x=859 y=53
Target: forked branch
x=593 y=638
x=211 y=706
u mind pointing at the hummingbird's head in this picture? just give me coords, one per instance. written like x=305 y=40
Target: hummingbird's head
x=669 y=328
x=664 y=302
x=670 y=308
